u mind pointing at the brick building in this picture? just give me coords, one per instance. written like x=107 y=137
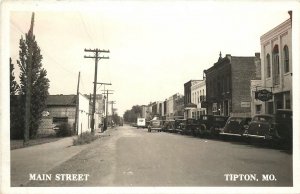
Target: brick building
x=228 y=85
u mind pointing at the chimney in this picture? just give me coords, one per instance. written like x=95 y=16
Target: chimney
x=228 y=56
x=257 y=55
x=291 y=14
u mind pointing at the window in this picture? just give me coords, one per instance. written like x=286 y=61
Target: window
x=270 y=108
x=287 y=100
x=286 y=59
x=268 y=65
x=60 y=120
x=258 y=109
x=276 y=69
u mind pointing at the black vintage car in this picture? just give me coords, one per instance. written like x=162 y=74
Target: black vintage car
x=191 y=127
x=261 y=126
x=283 y=128
x=235 y=126
x=179 y=125
x=155 y=124
x=211 y=125
x=169 y=126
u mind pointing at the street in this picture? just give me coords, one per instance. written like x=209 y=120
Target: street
x=127 y=156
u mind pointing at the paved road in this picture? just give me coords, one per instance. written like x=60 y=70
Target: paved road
x=133 y=157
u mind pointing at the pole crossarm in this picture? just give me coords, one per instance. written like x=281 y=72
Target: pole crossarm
x=103 y=83
x=97 y=50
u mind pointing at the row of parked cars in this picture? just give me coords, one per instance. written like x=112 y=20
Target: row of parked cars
x=277 y=127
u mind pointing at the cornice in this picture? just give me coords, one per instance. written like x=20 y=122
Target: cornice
x=277 y=31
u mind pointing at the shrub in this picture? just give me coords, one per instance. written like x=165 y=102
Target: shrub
x=84 y=138
x=64 y=130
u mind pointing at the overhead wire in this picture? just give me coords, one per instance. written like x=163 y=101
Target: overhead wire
x=57 y=64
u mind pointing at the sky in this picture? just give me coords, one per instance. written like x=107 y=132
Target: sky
x=155 y=46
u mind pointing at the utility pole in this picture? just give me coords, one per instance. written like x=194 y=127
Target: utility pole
x=106 y=114
x=97 y=58
x=112 y=106
x=101 y=83
x=77 y=105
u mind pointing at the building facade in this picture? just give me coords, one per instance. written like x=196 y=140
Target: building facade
x=228 y=85
x=62 y=109
x=174 y=106
x=198 y=91
x=188 y=105
x=256 y=105
x=276 y=69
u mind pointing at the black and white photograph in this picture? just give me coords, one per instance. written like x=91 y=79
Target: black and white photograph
x=149 y=96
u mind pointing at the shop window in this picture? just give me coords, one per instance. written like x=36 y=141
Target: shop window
x=270 y=108
x=287 y=100
x=286 y=59
x=258 y=109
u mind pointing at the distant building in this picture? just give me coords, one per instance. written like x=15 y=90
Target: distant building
x=276 y=69
x=99 y=109
x=228 y=85
x=174 y=106
x=198 y=91
x=256 y=105
x=188 y=105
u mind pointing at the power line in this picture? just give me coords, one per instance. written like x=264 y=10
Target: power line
x=85 y=28
x=46 y=53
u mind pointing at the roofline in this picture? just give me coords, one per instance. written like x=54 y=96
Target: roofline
x=279 y=27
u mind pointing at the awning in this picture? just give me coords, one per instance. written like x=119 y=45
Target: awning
x=190 y=106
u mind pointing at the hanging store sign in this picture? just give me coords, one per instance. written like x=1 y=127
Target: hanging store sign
x=263 y=95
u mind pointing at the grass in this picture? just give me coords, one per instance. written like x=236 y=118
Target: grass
x=17 y=144
x=84 y=138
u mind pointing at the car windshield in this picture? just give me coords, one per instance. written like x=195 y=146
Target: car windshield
x=236 y=120
x=263 y=118
x=220 y=118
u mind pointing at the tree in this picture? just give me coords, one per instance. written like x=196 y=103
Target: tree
x=133 y=114
x=13 y=84
x=34 y=84
x=15 y=116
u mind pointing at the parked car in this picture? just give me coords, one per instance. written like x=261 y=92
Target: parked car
x=155 y=124
x=211 y=124
x=261 y=126
x=191 y=127
x=169 y=126
x=235 y=126
x=179 y=125
x=283 y=128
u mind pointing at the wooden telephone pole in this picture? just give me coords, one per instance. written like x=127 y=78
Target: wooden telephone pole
x=106 y=112
x=97 y=58
x=112 y=106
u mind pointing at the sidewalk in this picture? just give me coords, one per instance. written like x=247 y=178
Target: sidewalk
x=40 y=159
